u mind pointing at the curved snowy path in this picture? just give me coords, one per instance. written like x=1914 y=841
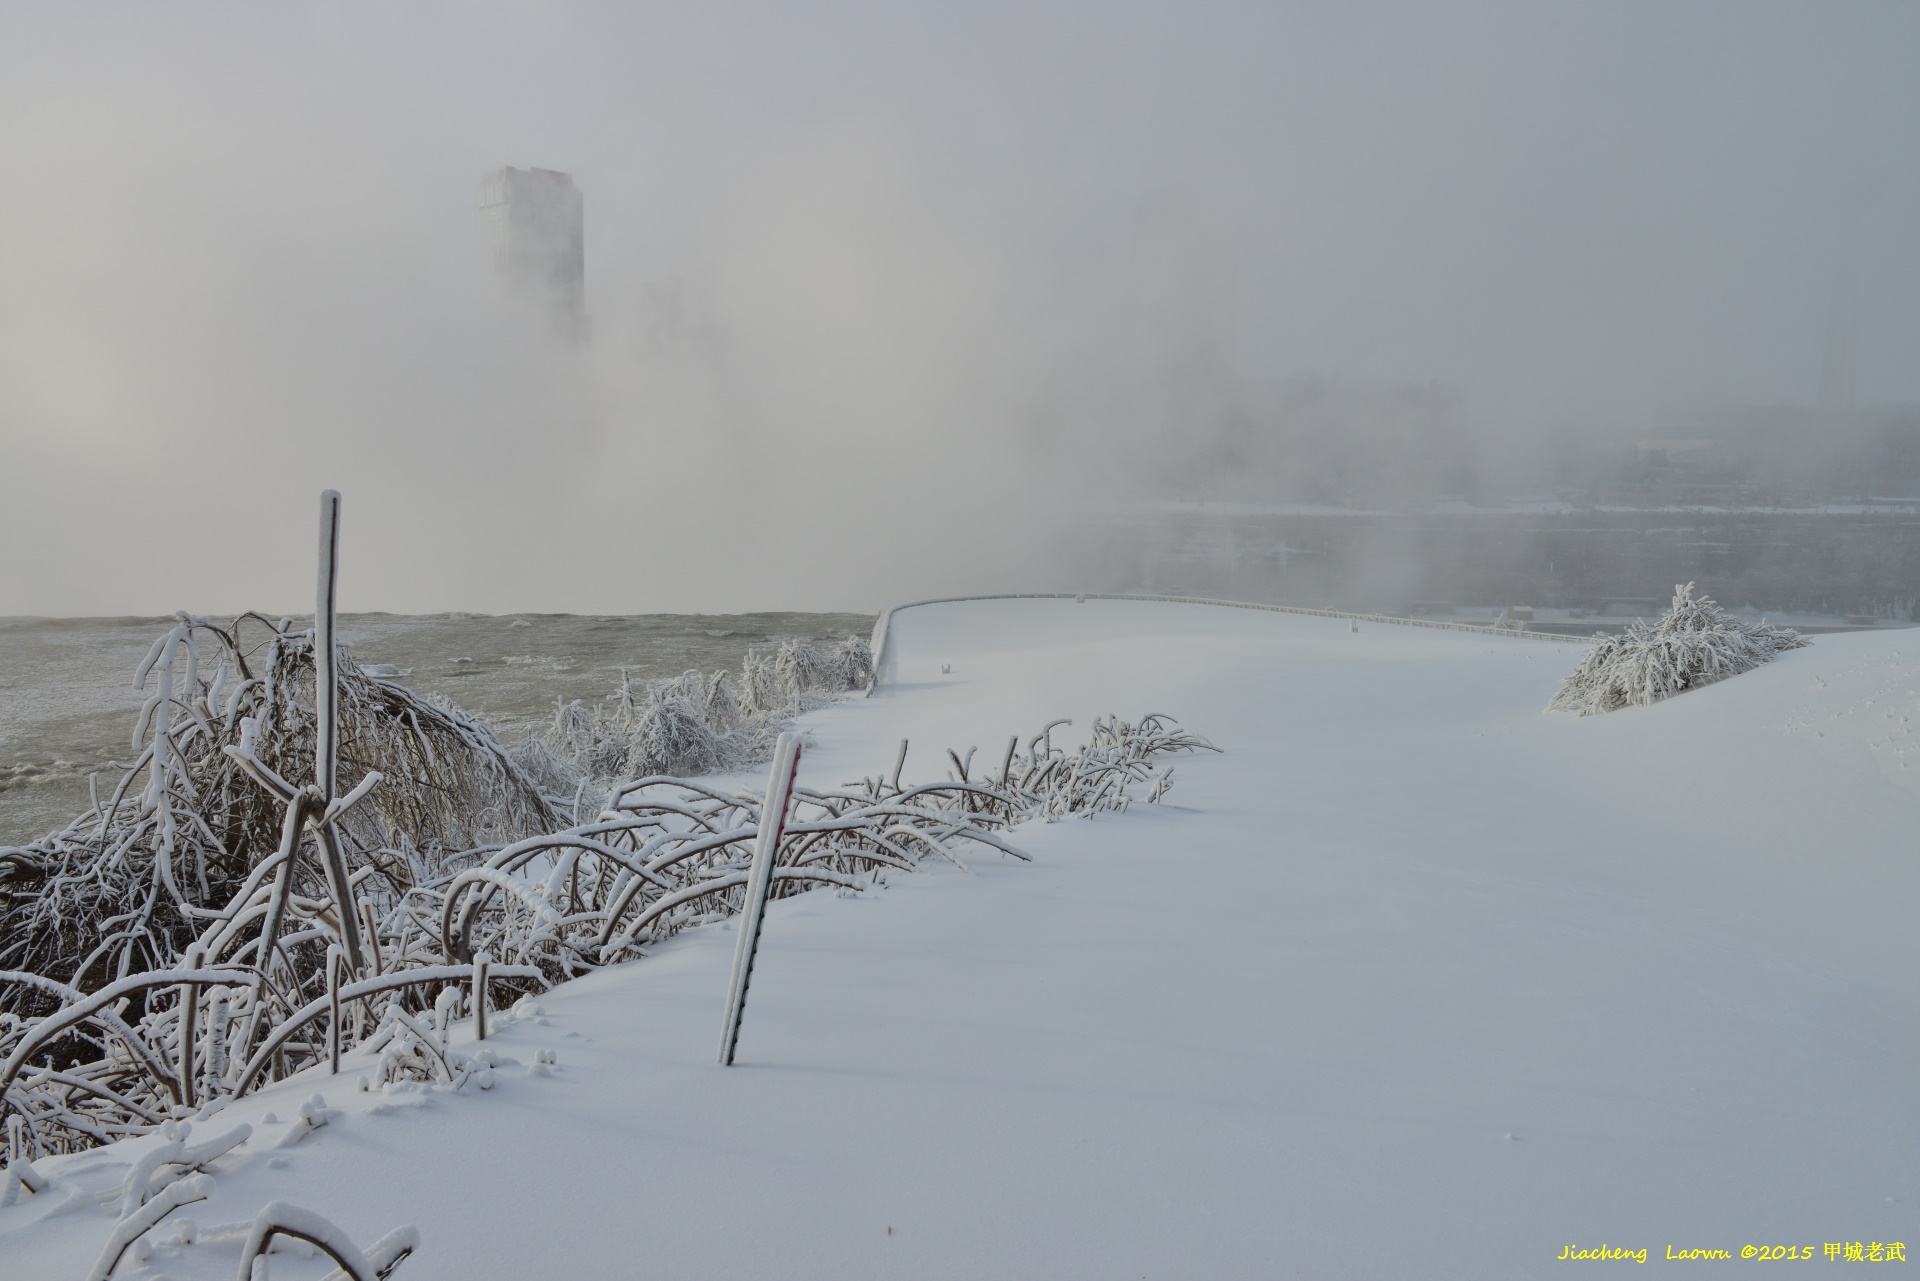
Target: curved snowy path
x=1411 y=981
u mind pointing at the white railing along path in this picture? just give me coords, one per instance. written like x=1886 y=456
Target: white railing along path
x=881 y=628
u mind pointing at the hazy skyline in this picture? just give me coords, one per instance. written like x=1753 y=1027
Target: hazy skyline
x=874 y=286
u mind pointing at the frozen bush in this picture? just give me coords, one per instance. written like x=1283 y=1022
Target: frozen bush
x=697 y=722
x=1695 y=643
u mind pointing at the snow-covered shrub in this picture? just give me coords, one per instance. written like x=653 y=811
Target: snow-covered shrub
x=697 y=722
x=225 y=966
x=128 y=885
x=219 y=921
x=667 y=853
x=1695 y=643
x=413 y=1049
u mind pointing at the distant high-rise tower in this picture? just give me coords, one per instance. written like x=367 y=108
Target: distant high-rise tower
x=537 y=222
x=1837 y=369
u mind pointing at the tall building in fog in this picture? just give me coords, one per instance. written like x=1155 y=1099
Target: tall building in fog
x=536 y=221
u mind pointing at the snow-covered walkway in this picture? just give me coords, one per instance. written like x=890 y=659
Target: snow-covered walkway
x=1411 y=981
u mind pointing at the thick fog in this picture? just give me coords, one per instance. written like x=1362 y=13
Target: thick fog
x=884 y=294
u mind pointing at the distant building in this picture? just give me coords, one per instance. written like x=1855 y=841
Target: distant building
x=536 y=221
x=1839 y=449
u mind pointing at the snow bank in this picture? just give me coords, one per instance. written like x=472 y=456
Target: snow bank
x=1411 y=981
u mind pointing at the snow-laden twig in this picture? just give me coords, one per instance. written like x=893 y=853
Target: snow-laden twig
x=141 y=1221
x=277 y=1218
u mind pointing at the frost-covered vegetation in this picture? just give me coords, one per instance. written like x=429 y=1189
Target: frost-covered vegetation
x=188 y=830
x=666 y=853
x=1695 y=643
x=695 y=723
x=208 y=926
x=179 y=1004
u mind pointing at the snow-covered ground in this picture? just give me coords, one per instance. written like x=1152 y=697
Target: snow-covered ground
x=1411 y=981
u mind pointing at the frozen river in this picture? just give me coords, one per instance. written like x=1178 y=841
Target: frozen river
x=67 y=704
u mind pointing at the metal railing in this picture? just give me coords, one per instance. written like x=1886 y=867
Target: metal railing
x=881 y=627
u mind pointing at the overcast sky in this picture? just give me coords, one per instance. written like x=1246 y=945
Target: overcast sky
x=939 y=268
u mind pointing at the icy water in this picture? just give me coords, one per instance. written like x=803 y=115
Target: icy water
x=67 y=702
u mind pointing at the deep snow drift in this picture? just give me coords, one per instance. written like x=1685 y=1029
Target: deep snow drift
x=1412 y=980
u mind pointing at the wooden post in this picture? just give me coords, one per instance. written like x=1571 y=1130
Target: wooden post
x=326 y=707
x=773 y=821
x=333 y=1008
x=217 y=1018
x=307 y=808
x=480 y=964
x=189 y=1019
x=899 y=763
x=326 y=680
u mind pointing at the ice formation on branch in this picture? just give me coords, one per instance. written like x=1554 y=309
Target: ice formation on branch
x=1695 y=643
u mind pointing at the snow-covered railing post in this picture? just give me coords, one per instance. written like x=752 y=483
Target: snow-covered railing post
x=773 y=819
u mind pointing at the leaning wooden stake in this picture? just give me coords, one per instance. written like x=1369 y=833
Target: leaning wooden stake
x=773 y=820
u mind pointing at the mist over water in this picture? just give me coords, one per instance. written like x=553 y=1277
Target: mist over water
x=891 y=303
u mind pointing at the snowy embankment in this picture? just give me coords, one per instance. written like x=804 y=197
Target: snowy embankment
x=1412 y=980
